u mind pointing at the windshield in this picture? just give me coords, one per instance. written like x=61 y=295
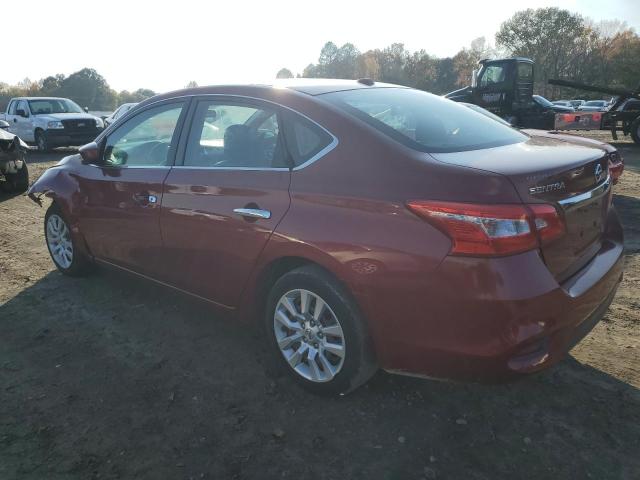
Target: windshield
x=424 y=122
x=595 y=103
x=542 y=101
x=53 y=105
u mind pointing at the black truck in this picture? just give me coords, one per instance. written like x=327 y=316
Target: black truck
x=505 y=88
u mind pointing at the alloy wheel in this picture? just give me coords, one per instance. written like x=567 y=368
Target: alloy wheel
x=59 y=241
x=309 y=335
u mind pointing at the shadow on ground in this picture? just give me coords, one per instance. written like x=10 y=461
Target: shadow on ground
x=111 y=377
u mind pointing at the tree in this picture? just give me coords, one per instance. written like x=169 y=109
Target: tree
x=89 y=89
x=557 y=40
x=191 y=84
x=284 y=73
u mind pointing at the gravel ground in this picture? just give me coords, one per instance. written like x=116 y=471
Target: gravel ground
x=110 y=377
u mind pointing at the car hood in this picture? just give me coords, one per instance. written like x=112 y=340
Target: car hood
x=66 y=116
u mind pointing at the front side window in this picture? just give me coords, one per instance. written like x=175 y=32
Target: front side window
x=492 y=74
x=54 y=105
x=22 y=105
x=226 y=135
x=144 y=140
x=422 y=121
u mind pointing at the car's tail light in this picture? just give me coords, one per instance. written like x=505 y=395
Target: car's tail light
x=490 y=230
x=616 y=166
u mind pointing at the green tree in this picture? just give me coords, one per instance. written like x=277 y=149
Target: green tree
x=89 y=89
x=284 y=73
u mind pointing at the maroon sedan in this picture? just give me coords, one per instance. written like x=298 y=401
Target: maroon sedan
x=368 y=225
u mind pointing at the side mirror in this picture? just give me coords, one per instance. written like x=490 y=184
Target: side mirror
x=90 y=153
x=474 y=78
x=20 y=112
x=86 y=109
x=4 y=125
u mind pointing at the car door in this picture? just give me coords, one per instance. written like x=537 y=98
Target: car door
x=9 y=116
x=223 y=201
x=22 y=122
x=123 y=191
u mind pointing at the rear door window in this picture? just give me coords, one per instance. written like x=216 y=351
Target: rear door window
x=228 y=135
x=305 y=139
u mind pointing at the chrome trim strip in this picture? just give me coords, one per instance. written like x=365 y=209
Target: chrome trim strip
x=253 y=212
x=576 y=200
x=259 y=169
x=121 y=167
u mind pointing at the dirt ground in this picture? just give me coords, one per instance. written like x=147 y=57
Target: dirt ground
x=110 y=377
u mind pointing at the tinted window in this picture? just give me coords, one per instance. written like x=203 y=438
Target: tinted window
x=305 y=139
x=226 y=135
x=43 y=107
x=492 y=74
x=423 y=121
x=145 y=139
x=525 y=71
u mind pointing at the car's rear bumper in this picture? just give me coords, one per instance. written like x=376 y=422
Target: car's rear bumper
x=64 y=138
x=495 y=319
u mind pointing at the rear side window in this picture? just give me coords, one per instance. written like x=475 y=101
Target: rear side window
x=305 y=139
x=424 y=122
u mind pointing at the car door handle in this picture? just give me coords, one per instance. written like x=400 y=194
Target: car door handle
x=144 y=198
x=252 y=212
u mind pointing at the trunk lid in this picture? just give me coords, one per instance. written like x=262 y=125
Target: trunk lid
x=574 y=178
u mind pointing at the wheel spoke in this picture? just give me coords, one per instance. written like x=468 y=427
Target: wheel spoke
x=285 y=342
x=289 y=305
x=316 y=374
x=284 y=320
x=304 y=301
x=333 y=348
x=326 y=365
x=333 y=330
x=319 y=309
x=296 y=357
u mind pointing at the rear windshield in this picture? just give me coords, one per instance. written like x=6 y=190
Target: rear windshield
x=423 y=121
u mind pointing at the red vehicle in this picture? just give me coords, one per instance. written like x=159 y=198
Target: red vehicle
x=368 y=225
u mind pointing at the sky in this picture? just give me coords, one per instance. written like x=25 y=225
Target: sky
x=164 y=44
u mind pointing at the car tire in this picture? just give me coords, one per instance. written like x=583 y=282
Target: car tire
x=635 y=130
x=62 y=247
x=327 y=351
x=17 y=182
x=42 y=143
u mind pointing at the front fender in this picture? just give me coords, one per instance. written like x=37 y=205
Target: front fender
x=57 y=184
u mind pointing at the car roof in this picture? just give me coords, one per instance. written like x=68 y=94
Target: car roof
x=40 y=98
x=309 y=86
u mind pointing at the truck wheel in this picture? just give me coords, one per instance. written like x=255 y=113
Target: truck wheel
x=41 y=142
x=635 y=130
x=62 y=246
x=18 y=182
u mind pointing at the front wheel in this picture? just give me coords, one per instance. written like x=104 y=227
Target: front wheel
x=18 y=182
x=42 y=143
x=317 y=332
x=62 y=247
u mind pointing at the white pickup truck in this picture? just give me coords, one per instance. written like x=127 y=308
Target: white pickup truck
x=51 y=122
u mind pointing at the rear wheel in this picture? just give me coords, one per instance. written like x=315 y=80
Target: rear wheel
x=62 y=247
x=635 y=130
x=317 y=333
